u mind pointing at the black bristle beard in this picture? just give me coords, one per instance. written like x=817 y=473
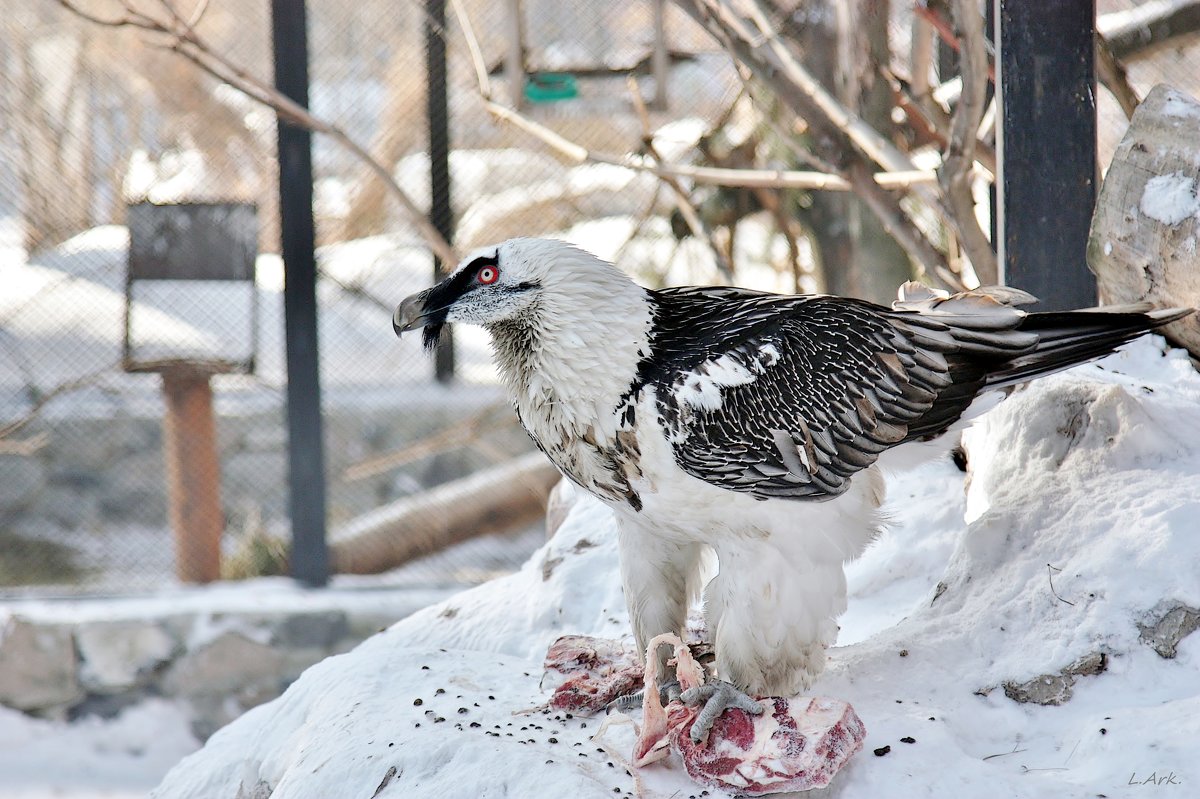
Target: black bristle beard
x=431 y=335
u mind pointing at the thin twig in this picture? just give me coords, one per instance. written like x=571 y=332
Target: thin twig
x=686 y=207
x=187 y=43
x=459 y=435
x=957 y=163
x=1050 y=576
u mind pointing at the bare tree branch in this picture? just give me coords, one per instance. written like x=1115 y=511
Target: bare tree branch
x=686 y=207
x=1138 y=32
x=960 y=150
x=183 y=39
x=1111 y=73
x=747 y=47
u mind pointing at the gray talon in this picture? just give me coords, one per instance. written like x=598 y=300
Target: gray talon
x=626 y=702
x=717 y=697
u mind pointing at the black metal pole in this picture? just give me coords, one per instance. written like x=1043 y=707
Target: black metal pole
x=1047 y=148
x=438 y=114
x=306 y=454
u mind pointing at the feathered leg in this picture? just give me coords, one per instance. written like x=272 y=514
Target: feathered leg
x=657 y=575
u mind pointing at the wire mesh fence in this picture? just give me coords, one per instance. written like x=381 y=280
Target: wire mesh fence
x=100 y=116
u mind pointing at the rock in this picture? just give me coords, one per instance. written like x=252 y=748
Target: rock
x=37 y=666
x=225 y=677
x=21 y=480
x=1056 y=689
x=229 y=664
x=1048 y=689
x=1144 y=238
x=117 y=656
x=308 y=630
x=1170 y=628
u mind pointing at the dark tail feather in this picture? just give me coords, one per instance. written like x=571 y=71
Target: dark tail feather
x=1068 y=338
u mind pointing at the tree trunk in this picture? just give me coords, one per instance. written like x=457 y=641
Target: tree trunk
x=844 y=45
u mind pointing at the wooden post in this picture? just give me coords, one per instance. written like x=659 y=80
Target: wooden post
x=193 y=474
x=1046 y=148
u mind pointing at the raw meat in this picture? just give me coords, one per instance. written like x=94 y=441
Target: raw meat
x=586 y=674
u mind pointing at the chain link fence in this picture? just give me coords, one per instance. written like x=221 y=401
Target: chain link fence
x=97 y=117
x=100 y=117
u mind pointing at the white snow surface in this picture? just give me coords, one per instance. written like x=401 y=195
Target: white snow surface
x=1091 y=477
x=119 y=758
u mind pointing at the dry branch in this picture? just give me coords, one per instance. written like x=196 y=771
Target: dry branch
x=1138 y=32
x=182 y=39
x=955 y=177
x=748 y=48
x=462 y=434
x=686 y=207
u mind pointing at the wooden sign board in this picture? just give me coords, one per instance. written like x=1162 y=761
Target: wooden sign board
x=192 y=241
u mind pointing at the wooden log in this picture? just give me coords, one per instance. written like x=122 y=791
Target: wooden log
x=500 y=499
x=1145 y=237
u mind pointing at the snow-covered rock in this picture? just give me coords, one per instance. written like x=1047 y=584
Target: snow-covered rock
x=1083 y=501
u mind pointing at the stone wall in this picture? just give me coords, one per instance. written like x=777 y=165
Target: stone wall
x=92 y=501
x=221 y=664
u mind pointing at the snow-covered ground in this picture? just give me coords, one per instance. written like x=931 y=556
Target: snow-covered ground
x=1084 y=499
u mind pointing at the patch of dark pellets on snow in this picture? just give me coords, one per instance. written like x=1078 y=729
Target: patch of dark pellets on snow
x=883 y=750
x=418 y=702
x=908 y=739
x=463 y=710
x=439 y=692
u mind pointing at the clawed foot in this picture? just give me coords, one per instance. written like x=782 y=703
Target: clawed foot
x=717 y=697
x=667 y=692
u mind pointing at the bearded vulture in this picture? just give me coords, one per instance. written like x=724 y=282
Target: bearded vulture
x=750 y=425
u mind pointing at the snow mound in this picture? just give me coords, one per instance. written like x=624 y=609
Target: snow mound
x=1083 y=497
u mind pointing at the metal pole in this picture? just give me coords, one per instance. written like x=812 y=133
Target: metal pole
x=438 y=115
x=1046 y=148
x=306 y=456
x=514 y=55
x=660 y=62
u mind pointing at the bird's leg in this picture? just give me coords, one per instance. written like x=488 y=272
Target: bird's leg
x=716 y=697
x=655 y=574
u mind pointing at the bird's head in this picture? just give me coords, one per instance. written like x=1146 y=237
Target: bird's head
x=505 y=282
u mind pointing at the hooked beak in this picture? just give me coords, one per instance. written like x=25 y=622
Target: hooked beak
x=411 y=313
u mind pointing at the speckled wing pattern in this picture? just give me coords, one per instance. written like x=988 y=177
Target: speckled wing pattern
x=789 y=396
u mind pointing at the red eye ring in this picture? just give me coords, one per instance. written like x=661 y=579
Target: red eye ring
x=488 y=275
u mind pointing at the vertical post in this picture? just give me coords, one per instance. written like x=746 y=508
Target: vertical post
x=660 y=64
x=438 y=115
x=193 y=474
x=1046 y=148
x=306 y=454
x=514 y=56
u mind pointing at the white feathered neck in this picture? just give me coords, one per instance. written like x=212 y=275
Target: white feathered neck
x=569 y=357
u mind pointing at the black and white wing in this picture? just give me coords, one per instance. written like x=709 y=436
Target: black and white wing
x=789 y=396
